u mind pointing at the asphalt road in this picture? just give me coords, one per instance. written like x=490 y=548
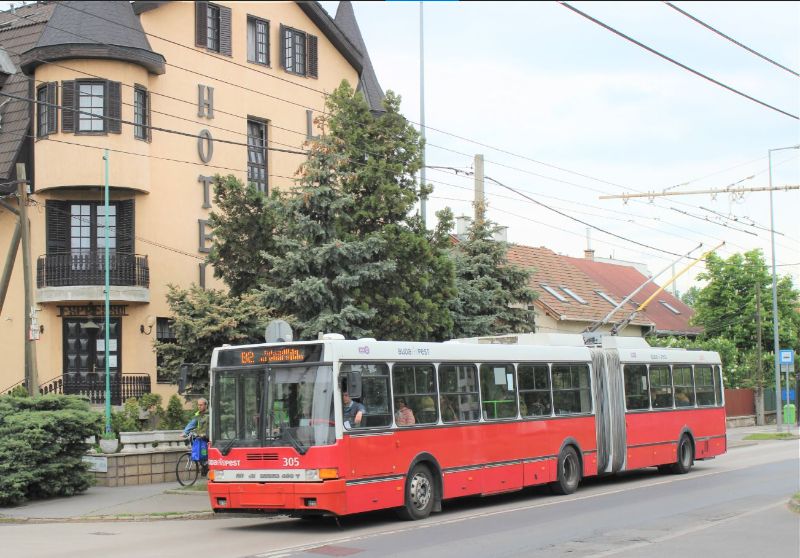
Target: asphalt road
x=732 y=506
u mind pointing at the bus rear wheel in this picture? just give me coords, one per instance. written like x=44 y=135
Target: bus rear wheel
x=569 y=472
x=685 y=456
x=419 y=494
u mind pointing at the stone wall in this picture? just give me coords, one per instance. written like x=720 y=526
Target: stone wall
x=144 y=458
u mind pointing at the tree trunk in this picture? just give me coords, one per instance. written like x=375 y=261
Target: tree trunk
x=758 y=393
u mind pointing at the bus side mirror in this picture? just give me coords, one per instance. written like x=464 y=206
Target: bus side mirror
x=183 y=377
x=354 y=384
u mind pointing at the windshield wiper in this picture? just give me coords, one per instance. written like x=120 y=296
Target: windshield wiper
x=226 y=450
x=301 y=449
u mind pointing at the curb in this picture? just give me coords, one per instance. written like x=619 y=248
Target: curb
x=109 y=518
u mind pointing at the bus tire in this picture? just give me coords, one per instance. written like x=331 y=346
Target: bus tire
x=685 y=458
x=420 y=494
x=569 y=472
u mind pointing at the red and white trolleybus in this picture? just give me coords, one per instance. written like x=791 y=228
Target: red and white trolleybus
x=486 y=416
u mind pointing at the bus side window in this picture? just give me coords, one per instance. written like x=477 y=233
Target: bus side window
x=374 y=391
x=660 y=387
x=636 y=392
x=498 y=391
x=458 y=386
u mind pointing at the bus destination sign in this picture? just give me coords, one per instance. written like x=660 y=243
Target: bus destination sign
x=260 y=356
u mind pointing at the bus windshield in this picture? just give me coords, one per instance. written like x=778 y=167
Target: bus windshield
x=276 y=406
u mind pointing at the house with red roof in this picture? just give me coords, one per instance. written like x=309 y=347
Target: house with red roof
x=574 y=293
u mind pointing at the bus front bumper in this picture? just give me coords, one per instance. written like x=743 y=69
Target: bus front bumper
x=303 y=498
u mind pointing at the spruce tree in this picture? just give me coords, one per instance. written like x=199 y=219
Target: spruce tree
x=317 y=271
x=493 y=296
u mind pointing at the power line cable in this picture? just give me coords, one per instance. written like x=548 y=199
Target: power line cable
x=684 y=66
x=734 y=41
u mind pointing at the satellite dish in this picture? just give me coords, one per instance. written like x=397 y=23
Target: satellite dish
x=278 y=331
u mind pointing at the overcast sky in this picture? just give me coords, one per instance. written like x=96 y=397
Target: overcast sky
x=568 y=111
x=557 y=90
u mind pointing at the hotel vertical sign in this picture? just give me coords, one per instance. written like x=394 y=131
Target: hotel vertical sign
x=205 y=151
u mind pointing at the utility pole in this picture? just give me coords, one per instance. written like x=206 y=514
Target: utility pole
x=480 y=205
x=759 y=364
x=10 y=257
x=31 y=374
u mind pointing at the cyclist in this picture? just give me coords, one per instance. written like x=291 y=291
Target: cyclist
x=199 y=424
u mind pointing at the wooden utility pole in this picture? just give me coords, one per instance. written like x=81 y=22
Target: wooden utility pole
x=31 y=374
x=759 y=388
x=10 y=257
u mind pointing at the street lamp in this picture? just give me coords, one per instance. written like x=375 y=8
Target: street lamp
x=775 y=297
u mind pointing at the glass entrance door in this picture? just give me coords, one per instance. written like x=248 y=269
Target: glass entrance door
x=84 y=358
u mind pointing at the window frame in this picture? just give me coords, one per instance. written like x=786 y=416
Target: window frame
x=290 y=44
x=650 y=384
x=579 y=389
x=141 y=110
x=162 y=324
x=459 y=368
x=252 y=40
x=521 y=391
x=253 y=152
x=213 y=28
x=46 y=109
x=645 y=393
x=81 y=115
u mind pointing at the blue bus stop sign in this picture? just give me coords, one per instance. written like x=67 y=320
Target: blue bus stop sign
x=786 y=356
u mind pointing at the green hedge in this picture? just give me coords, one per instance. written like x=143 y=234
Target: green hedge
x=42 y=441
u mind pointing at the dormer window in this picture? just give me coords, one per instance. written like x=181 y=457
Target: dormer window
x=558 y=296
x=607 y=298
x=573 y=295
x=669 y=307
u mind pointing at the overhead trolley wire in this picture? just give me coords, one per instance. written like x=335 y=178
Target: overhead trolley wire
x=734 y=41
x=667 y=58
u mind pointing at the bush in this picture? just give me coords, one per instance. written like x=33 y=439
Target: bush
x=42 y=441
x=175 y=418
x=126 y=420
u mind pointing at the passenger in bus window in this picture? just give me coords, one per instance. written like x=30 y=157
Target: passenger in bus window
x=353 y=411
x=448 y=413
x=404 y=416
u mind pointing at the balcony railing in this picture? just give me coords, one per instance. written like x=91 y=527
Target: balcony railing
x=72 y=269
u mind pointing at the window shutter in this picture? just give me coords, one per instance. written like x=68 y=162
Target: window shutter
x=114 y=107
x=225 y=30
x=57 y=215
x=268 y=43
x=149 y=128
x=125 y=227
x=201 y=24
x=68 y=106
x=311 y=56
x=285 y=46
x=52 y=109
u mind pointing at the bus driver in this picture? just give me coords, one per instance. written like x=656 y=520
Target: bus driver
x=353 y=411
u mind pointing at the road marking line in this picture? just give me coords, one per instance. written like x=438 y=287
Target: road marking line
x=682 y=478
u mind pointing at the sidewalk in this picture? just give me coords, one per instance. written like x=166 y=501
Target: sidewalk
x=149 y=501
x=169 y=501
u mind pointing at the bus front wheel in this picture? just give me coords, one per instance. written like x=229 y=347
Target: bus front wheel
x=419 y=494
x=569 y=472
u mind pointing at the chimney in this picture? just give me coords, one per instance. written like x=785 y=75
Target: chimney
x=501 y=234
x=462 y=226
x=588 y=254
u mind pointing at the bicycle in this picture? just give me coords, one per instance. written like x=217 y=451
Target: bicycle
x=187 y=469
